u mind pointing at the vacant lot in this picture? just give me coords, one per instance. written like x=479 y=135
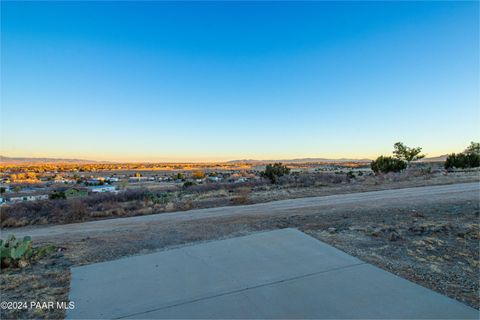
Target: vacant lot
x=148 y=201
x=427 y=236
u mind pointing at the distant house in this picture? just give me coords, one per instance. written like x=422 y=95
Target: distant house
x=75 y=193
x=16 y=199
x=102 y=189
x=38 y=197
x=32 y=197
x=58 y=179
x=98 y=180
x=65 y=181
x=141 y=179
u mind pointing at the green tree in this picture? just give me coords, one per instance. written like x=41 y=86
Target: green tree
x=274 y=171
x=179 y=176
x=387 y=164
x=188 y=184
x=58 y=195
x=470 y=158
x=402 y=152
x=473 y=148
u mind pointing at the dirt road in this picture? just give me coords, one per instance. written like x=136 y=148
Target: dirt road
x=303 y=206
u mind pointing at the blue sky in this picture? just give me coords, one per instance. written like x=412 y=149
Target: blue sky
x=159 y=81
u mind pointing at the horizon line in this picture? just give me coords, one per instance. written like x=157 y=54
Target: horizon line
x=240 y=160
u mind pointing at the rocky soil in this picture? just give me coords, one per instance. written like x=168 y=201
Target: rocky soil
x=434 y=245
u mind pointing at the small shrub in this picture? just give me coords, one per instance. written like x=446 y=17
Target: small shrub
x=350 y=175
x=188 y=184
x=179 y=176
x=426 y=171
x=40 y=252
x=462 y=161
x=164 y=197
x=58 y=195
x=242 y=197
x=273 y=172
x=387 y=164
x=157 y=198
x=76 y=211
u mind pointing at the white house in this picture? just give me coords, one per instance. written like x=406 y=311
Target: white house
x=65 y=181
x=33 y=197
x=101 y=189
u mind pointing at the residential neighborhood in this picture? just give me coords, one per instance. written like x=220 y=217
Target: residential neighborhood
x=36 y=183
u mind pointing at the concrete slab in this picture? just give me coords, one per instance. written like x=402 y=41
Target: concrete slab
x=277 y=274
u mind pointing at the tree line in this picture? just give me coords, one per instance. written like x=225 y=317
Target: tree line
x=403 y=156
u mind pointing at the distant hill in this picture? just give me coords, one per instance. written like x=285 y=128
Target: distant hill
x=434 y=159
x=301 y=160
x=13 y=160
x=24 y=160
x=325 y=160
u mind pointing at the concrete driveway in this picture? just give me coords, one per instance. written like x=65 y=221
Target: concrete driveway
x=276 y=274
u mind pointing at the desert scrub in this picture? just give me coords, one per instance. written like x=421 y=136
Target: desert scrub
x=242 y=196
x=157 y=198
x=273 y=172
x=19 y=254
x=188 y=184
x=387 y=164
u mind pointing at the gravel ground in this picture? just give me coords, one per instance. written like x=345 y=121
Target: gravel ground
x=435 y=247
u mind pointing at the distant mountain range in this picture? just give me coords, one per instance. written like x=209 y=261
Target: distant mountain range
x=325 y=160
x=12 y=160
x=301 y=160
x=23 y=160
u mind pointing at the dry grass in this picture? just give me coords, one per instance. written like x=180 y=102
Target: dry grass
x=144 y=202
x=44 y=281
x=436 y=246
x=242 y=196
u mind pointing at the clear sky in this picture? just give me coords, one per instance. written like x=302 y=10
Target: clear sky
x=158 y=81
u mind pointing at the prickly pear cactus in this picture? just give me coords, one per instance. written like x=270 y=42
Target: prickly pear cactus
x=22 y=249
x=13 y=250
